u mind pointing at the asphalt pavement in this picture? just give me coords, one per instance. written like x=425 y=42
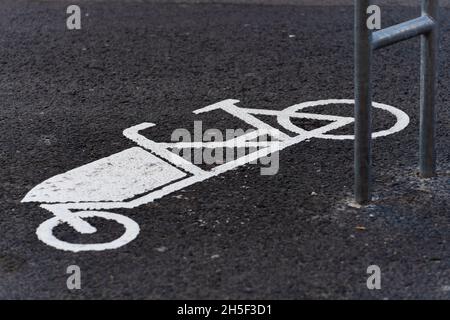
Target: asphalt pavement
x=67 y=95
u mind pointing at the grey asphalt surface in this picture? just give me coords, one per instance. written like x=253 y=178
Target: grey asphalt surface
x=67 y=95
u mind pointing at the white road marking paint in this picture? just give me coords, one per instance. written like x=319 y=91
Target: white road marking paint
x=135 y=176
x=133 y=135
x=243 y=141
x=402 y=119
x=114 y=178
x=230 y=107
x=45 y=232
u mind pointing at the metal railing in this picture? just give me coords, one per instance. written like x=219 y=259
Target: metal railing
x=366 y=42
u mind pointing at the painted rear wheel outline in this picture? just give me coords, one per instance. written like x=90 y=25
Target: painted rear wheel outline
x=45 y=232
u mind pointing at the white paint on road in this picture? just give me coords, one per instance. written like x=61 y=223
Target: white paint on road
x=401 y=118
x=136 y=176
x=45 y=232
x=119 y=177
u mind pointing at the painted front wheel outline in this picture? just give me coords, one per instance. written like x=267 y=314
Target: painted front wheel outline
x=45 y=232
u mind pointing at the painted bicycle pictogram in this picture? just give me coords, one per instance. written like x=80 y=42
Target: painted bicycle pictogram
x=150 y=171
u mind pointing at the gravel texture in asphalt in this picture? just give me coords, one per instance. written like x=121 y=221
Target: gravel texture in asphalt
x=66 y=97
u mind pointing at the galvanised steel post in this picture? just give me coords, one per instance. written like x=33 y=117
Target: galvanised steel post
x=427 y=27
x=428 y=79
x=363 y=103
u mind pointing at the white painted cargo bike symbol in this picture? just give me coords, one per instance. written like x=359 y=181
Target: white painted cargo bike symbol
x=140 y=175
